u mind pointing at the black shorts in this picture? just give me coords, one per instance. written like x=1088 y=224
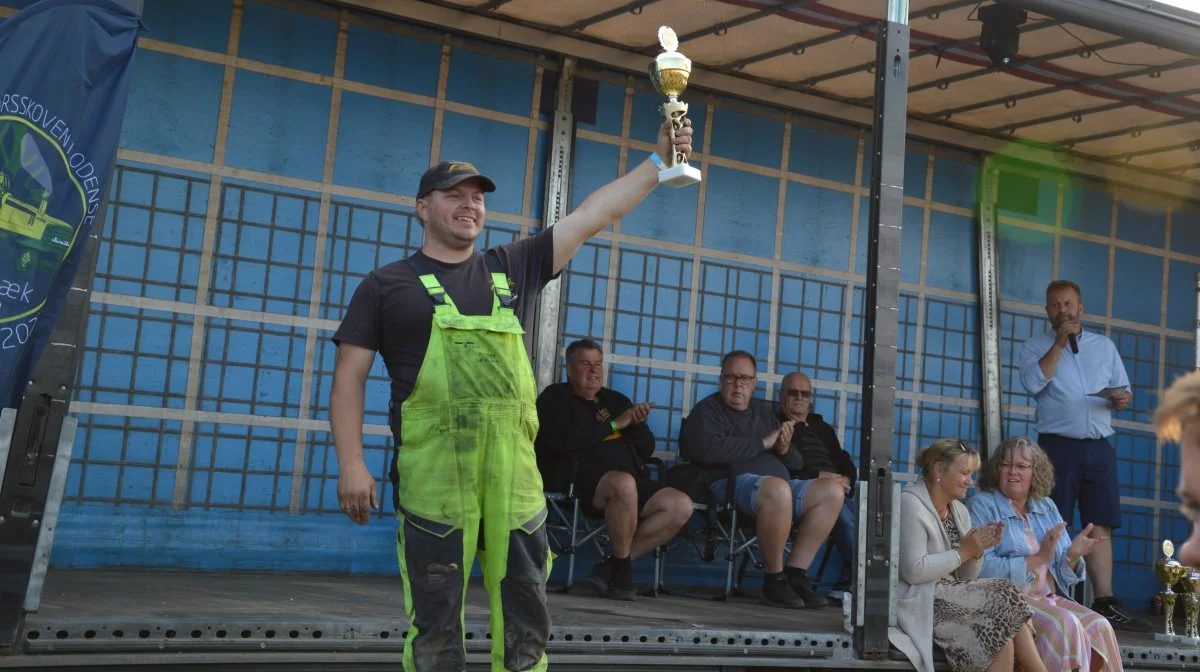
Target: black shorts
x=585 y=488
x=1085 y=472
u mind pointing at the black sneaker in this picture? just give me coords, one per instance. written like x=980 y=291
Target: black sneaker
x=620 y=587
x=1119 y=616
x=600 y=577
x=798 y=579
x=777 y=592
x=606 y=585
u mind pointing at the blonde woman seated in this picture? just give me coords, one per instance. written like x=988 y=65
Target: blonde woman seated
x=980 y=624
x=1034 y=553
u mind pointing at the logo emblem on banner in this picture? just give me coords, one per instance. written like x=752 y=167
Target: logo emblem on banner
x=42 y=206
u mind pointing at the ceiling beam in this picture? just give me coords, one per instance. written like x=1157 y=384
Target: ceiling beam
x=1107 y=107
x=1066 y=86
x=857 y=29
x=945 y=82
x=939 y=48
x=1133 y=131
x=1193 y=145
x=635 y=7
x=491 y=5
x=720 y=28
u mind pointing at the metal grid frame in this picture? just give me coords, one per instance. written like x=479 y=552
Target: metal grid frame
x=157 y=341
x=256 y=459
x=235 y=377
x=952 y=371
x=1140 y=352
x=254 y=219
x=585 y=287
x=141 y=444
x=810 y=312
x=152 y=248
x=646 y=278
x=733 y=309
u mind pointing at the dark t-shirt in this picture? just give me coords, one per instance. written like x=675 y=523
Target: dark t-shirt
x=392 y=313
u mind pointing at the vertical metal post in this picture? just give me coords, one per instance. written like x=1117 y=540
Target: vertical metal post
x=882 y=318
x=558 y=201
x=989 y=304
x=1196 y=350
x=31 y=485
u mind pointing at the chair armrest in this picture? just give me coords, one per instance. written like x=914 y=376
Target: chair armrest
x=658 y=465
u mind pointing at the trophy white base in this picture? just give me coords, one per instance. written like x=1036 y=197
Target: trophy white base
x=1176 y=639
x=679 y=176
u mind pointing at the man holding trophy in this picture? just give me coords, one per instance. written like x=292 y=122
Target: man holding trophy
x=448 y=322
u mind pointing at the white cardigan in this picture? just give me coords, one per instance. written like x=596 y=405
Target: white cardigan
x=925 y=557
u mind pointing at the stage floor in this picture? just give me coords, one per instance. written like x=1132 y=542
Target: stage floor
x=88 y=616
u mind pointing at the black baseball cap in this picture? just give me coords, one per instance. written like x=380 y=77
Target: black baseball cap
x=447 y=174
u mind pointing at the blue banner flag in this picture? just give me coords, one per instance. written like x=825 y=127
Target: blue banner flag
x=64 y=80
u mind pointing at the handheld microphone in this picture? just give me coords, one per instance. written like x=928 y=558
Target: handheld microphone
x=1074 y=344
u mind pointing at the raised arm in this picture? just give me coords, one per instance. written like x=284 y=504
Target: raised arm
x=610 y=203
x=1033 y=370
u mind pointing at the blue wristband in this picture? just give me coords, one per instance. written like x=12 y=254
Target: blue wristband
x=658 y=161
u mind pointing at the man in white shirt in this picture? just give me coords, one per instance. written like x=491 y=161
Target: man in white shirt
x=1065 y=369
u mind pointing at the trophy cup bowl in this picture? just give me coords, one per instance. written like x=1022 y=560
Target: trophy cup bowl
x=1169 y=571
x=1189 y=585
x=669 y=73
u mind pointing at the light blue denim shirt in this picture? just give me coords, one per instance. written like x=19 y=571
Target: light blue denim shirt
x=1006 y=560
x=1063 y=404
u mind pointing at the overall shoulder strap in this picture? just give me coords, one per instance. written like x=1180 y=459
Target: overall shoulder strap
x=424 y=271
x=500 y=282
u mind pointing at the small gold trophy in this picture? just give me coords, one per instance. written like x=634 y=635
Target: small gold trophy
x=1169 y=572
x=1190 y=583
x=669 y=73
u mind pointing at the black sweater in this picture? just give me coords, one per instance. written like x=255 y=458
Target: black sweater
x=841 y=461
x=721 y=439
x=575 y=434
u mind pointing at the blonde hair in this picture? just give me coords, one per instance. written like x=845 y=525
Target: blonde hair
x=942 y=453
x=1180 y=405
x=1043 y=469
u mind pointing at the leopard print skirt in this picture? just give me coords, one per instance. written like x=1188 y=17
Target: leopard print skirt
x=973 y=620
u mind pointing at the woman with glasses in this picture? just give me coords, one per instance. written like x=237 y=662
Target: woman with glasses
x=980 y=624
x=1040 y=559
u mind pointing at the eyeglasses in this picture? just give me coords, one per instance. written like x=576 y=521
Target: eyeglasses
x=730 y=379
x=807 y=394
x=1019 y=466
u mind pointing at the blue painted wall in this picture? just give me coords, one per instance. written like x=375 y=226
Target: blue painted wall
x=240 y=212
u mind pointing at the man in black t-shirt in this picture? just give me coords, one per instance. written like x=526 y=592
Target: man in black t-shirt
x=448 y=322
x=817 y=453
x=598 y=438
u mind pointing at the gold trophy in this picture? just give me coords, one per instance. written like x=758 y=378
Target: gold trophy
x=1169 y=572
x=1190 y=584
x=669 y=73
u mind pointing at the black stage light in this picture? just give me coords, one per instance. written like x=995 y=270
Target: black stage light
x=1000 y=37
